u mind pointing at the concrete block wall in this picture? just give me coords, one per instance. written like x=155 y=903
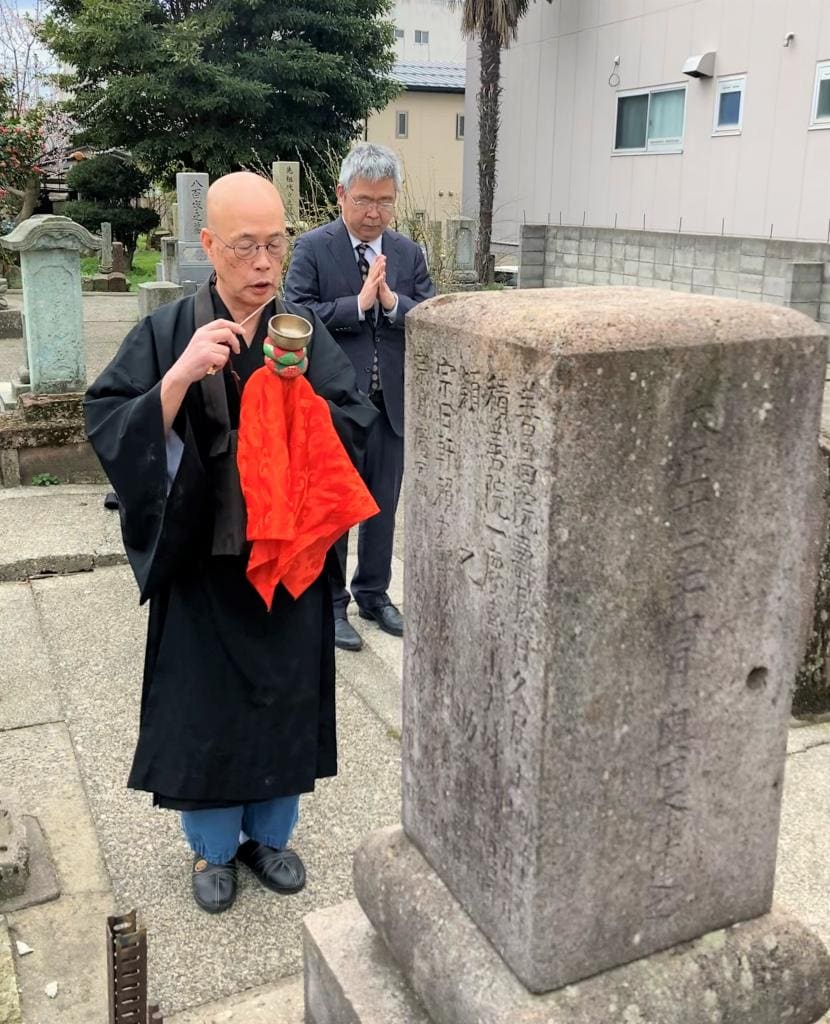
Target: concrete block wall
x=786 y=273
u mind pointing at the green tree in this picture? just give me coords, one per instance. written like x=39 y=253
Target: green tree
x=212 y=85
x=107 y=185
x=495 y=24
x=34 y=132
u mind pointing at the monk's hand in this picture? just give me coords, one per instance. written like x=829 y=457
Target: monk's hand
x=208 y=350
x=285 y=363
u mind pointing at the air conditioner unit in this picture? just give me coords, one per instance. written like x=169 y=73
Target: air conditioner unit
x=702 y=66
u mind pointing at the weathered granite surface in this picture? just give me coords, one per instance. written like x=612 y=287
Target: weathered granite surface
x=50 y=248
x=765 y=971
x=153 y=294
x=14 y=847
x=613 y=528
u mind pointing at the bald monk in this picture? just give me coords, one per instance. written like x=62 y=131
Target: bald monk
x=237 y=709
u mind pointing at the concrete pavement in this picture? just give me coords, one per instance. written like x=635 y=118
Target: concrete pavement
x=69 y=689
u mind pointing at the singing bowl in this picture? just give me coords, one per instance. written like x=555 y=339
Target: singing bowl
x=289 y=332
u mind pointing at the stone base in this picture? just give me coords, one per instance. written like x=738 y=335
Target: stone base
x=105 y=283
x=14 y=847
x=11 y=323
x=42 y=885
x=428 y=952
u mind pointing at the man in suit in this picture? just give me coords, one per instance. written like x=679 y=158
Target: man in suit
x=362 y=278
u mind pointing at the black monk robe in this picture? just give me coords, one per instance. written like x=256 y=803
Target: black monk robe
x=237 y=702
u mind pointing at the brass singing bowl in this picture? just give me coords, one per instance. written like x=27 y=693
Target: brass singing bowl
x=289 y=332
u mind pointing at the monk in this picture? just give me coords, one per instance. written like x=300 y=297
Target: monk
x=237 y=711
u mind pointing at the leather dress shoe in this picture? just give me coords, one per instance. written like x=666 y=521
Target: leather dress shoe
x=279 y=870
x=386 y=616
x=346 y=637
x=214 y=885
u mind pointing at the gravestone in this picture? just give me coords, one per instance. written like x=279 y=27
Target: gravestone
x=168 y=259
x=607 y=604
x=153 y=294
x=119 y=259
x=50 y=249
x=285 y=174
x=461 y=242
x=106 y=249
x=192 y=263
x=11 y=323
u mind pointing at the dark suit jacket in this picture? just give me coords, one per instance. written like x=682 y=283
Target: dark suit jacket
x=324 y=276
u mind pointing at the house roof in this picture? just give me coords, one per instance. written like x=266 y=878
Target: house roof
x=419 y=76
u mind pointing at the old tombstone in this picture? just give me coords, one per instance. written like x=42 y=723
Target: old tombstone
x=50 y=249
x=153 y=294
x=192 y=263
x=168 y=259
x=606 y=606
x=461 y=243
x=285 y=174
x=106 y=248
x=11 y=323
x=120 y=264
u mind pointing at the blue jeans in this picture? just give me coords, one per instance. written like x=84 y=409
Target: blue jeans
x=216 y=834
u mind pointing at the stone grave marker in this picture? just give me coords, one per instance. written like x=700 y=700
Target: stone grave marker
x=285 y=174
x=192 y=263
x=50 y=249
x=606 y=607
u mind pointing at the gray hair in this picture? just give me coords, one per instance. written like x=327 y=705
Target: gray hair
x=373 y=162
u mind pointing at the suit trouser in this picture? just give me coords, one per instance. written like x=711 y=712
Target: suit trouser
x=382 y=471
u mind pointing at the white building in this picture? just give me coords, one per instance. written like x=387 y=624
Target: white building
x=428 y=30
x=601 y=125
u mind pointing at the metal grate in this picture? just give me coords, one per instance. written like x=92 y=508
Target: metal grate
x=127 y=972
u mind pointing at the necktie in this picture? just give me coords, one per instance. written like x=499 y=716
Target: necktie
x=363 y=267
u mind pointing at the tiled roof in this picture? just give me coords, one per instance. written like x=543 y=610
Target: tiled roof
x=432 y=77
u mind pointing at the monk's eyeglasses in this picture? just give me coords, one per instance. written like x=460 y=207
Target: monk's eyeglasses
x=276 y=248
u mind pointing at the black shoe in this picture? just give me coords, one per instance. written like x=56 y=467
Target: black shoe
x=214 y=885
x=279 y=870
x=111 y=500
x=386 y=616
x=346 y=637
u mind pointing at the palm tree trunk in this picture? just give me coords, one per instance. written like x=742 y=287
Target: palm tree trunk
x=488 y=127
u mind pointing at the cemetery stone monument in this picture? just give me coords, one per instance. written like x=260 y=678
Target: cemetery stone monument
x=106 y=248
x=45 y=433
x=11 y=324
x=285 y=175
x=192 y=263
x=461 y=242
x=606 y=600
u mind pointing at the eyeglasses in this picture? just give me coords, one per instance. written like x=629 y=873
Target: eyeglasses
x=381 y=205
x=276 y=248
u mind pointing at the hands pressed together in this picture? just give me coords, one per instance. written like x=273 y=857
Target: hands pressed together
x=375 y=289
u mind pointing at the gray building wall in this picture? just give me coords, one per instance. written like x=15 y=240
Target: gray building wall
x=786 y=273
x=559 y=103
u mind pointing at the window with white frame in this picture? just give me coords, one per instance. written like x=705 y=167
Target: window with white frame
x=651 y=120
x=821 y=97
x=459 y=126
x=401 y=124
x=421 y=36
x=399 y=33
x=729 y=105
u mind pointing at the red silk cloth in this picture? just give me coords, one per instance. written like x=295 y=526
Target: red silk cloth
x=301 y=490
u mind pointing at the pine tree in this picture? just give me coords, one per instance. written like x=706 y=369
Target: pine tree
x=213 y=85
